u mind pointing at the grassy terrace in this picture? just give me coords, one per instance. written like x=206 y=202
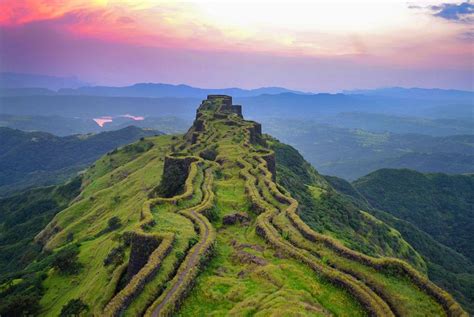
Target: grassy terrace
x=194 y=257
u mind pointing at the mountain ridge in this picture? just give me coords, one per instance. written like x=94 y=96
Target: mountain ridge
x=209 y=210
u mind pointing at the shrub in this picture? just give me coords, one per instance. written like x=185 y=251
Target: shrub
x=114 y=223
x=115 y=256
x=20 y=305
x=192 y=241
x=209 y=154
x=180 y=255
x=73 y=308
x=66 y=260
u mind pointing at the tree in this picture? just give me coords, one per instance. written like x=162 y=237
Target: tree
x=66 y=260
x=73 y=308
x=114 y=223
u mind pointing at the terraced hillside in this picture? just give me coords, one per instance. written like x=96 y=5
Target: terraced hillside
x=197 y=225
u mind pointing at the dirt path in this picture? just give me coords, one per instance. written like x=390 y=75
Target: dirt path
x=193 y=262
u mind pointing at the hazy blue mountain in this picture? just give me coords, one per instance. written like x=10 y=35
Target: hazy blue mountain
x=37 y=158
x=11 y=92
x=417 y=93
x=95 y=106
x=318 y=105
x=158 y=90
x=57 y=125
x=352 y=153
x=377 y=122
x=63 y=126
x=285 y=105
x=20 y=80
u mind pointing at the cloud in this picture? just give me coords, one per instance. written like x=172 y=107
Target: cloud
x=125 y=20
x=467 y=36
x=463 y=12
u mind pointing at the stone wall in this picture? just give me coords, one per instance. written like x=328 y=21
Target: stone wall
x=256 y=133
x=226 y=100
x=271 y=164
x=175 y=172
x=141 y=248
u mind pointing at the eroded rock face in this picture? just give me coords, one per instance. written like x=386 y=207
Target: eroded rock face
x=238 y=217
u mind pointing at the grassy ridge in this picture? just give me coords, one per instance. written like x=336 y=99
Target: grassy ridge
x=227 y=240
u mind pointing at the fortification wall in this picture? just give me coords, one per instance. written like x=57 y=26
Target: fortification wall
x=142 y=247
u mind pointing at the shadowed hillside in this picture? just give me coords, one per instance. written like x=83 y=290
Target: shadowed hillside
x=37 y=158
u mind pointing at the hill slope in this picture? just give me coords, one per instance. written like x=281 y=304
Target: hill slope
x=210 y=210
x=441 y=205
x=38 y=158
x=445 y=266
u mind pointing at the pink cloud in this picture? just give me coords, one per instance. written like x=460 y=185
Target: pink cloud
x=103 y=45
x=102 y=121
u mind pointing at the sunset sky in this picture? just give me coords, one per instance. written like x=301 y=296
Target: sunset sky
x=312 y=46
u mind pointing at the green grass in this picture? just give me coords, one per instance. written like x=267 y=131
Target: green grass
x=87 y=217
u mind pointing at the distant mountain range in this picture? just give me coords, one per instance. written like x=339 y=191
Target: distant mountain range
x=20 y=80
x=167 y=90
x=15 y=84
x=64 y=126
x=352 y=153
x=285 y=105
x=422 y=93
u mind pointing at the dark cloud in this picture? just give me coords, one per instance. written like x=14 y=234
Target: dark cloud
x=462 y=12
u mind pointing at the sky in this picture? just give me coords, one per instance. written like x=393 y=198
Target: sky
x=306 y=45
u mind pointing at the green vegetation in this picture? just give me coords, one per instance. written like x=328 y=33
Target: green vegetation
x=144 y=245
x=327 y=212
x=23 y=216
x=430 y=195
x=74 y=308
x=439 y=204
x=37 y=158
